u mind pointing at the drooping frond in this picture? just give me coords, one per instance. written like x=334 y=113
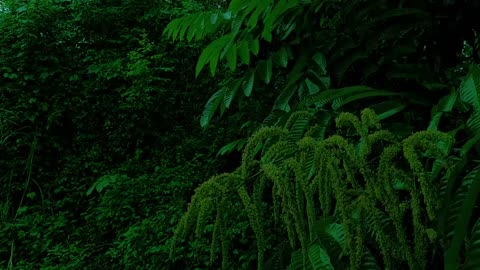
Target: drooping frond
x=309 y=177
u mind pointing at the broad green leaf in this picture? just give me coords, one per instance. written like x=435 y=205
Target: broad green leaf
x=288 y=28
x=244 y=52
x=297 y=262
x=452 y=197
x=211 y=54
x=185 y=25
x=301 y=89
x=324 y=97
x=444 y=105
x=321 y=62
x=369 y=262
x=386 y=109
x=236 y=5
x=312 y=87
x=214 y=18
x=281 y=57
x=257 y=148
x=248 y=84
x=323 y=119
x=319 y=258
x=340 y=101
x=267 y=36
x=473 y=122
x=470 y=88
x=467 y=146
x=337 y=232
x=321 y=81
x=213 y=63
x=231 y=92
x=281 y=103
x=90 y=190
x=465 y=212
x=273 y=117
x=279 y=9
x=260 y=7
x=472 y=257
x=231 y=146
x=227 y=15
x=255 y=46
x=236 y=25
x=211 y=107
x=298 y=128
x=232 y=57
x=172 y=28
x=262 y=70
x=191 y=34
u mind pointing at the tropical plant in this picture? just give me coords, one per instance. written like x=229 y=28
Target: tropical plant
x=358 y=179
x=296 y=41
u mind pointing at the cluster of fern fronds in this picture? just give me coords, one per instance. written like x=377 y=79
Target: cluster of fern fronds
x=377 y=199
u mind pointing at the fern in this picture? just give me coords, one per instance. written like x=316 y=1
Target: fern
x=330 y=241
x=470 y=88
x=319 y=258
x=472 y=258
x=468 y=199
x=369 y=262
x=386 y=109
x=334 y=174
x=445 y=104
x=349 y=93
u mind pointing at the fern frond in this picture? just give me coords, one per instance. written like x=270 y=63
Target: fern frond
x=444 y=105
x=319 y=258
x=464 y=215
x=470 y=88
x=386 y=109
x=473 y=122
x=231 y=91
x=248 y=83
x=297 y=262
x=322 y=98
x=297 y=125
x=211 y=107
x=369 y=262
x=282 y=101
x=472 y=257
x=339 y=102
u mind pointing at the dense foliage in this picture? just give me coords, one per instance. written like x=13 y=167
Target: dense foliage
x=261 y=134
